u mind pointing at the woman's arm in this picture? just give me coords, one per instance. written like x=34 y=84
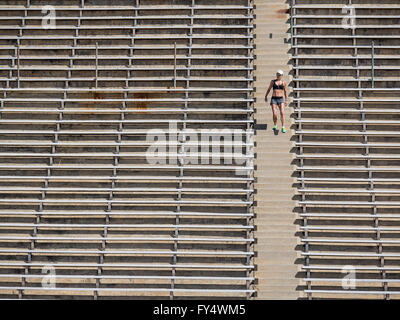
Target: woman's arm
x=269 y=89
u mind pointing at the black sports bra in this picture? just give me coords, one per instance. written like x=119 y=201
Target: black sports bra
x=278 y=87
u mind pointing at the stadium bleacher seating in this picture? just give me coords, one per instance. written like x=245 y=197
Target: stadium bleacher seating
x=79 y=102
x=346 y=101
x=77 y=192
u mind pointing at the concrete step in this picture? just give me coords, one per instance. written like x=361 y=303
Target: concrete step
x=274 y=295
x=278 y=269
x=279 y=227
x=278 y=197
x=276 y=188
x=276 y=203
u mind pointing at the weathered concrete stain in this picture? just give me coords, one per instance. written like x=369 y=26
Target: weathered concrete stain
x=141 y=106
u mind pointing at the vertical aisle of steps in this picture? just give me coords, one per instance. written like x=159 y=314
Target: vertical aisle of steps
x=276 y=230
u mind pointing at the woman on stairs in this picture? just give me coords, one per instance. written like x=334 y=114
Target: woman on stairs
x=278 y=100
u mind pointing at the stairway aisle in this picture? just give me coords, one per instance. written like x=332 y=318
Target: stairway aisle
x=276 y=230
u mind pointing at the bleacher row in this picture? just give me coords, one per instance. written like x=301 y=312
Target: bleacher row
x=347 y=128
x=80 y=106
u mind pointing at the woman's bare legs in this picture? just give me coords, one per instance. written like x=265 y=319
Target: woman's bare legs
x=274 y=113
x=282 y=112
